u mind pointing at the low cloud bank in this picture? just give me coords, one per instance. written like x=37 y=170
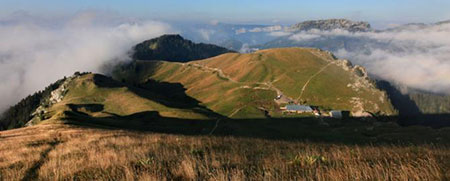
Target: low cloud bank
x=416 y=56
x=206 y=33
x=34 y=54
x=266 y=29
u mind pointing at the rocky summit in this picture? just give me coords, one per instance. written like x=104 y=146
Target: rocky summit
x=331 y=24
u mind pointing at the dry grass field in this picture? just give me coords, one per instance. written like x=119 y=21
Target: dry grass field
x=67 y=152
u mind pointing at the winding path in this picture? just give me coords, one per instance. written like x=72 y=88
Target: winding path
x=310 y=78
x=236 y=111
x=219 y=72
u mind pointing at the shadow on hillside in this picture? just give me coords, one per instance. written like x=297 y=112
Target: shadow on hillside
x=360 y=131
x=385 y=129
x=86 y=107
x=168 y=94
x=401 y=102
x=33 y=172
x=429 y=120
x=409 y=112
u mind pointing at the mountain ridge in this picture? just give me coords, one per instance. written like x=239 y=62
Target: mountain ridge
x=173 y=47
x=331 y=24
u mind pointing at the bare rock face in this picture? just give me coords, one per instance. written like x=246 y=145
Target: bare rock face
x=360 y=82
x=360 y=71
x=331 y=24
x=55 y=96
x=362 y=79
x=345 y=64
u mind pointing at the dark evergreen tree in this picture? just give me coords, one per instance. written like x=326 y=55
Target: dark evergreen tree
x=18 y=115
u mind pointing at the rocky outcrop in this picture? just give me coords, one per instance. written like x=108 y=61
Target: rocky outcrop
x=56 y=96
x=360 y=82
x=21 y=113
x=331 y=24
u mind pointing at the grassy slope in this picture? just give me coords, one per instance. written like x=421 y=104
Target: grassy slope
x=114 y=99
x=238 y=84
x=63 y=152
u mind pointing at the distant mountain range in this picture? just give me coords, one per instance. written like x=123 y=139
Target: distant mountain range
x=313 y=36
x=223 y=34
x=335 y=34
x=235 y=36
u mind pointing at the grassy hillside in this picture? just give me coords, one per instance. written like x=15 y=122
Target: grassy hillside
x=245 y=85
x=64 y=152
x=99 y=99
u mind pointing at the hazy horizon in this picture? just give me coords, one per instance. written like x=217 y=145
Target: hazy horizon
x=380 y=14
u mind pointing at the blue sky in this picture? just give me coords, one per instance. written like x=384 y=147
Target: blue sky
x=245 y=11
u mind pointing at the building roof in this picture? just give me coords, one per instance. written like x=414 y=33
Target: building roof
x=294 y=107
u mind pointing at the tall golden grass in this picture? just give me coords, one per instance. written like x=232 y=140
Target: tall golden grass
x=62 y=152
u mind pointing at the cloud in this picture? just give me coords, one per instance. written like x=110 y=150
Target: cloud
x=279 y=33
x=303 y=37
x=34 y=54
x=245 y=48
x=266 y=29
x=415 y=55
x=206 y=33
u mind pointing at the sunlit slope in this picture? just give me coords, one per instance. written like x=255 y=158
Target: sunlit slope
x=100 y=98
x=245 y=85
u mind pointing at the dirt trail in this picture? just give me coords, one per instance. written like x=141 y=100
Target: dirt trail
x=236 y=111
x=218 y=71
x=221 y=74
x=215 y=127
x=321 y=55
x=310 y=78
